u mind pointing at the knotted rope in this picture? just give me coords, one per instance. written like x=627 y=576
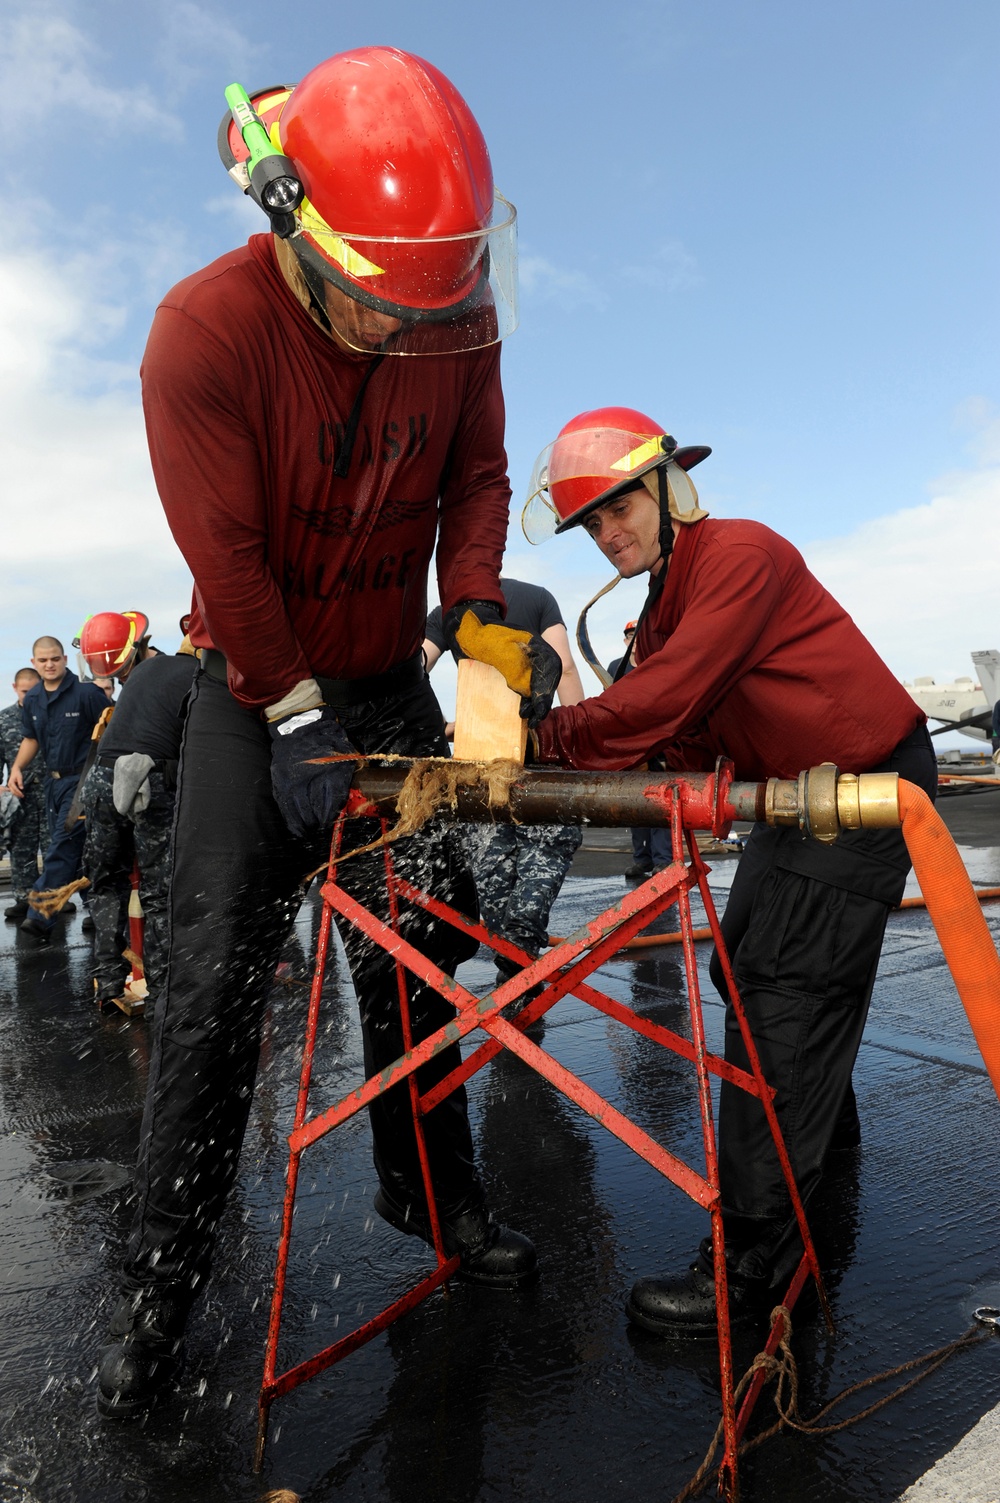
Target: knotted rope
x=52 y=900
x=782 y=1368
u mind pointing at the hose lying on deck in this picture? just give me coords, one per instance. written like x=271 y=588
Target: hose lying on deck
x=957 y=918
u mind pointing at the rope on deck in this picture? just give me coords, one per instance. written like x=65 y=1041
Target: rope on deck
x=783 y=1370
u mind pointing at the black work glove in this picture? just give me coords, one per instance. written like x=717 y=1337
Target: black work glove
x=531 y=667
x=310 y=795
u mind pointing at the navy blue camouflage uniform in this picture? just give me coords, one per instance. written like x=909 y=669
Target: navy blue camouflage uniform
x=518 y=878
x=29 y=828
x=522 y=867
x=148 y=719
x=62 y=722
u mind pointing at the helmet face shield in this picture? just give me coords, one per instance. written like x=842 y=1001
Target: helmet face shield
x=399 y=295
x=539 y=518
x=582 y=469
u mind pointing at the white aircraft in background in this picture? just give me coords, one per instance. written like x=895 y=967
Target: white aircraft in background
x=964 y=706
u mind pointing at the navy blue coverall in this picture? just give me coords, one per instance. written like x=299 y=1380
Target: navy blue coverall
x=62 y=721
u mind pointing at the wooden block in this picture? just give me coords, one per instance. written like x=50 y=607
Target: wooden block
x=132 y=1007
x=488 y=720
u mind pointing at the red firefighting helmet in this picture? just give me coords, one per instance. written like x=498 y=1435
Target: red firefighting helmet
x=399 y=209
x=599 y=455
x=110 y=640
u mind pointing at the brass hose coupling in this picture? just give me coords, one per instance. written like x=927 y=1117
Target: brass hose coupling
x=822 y=802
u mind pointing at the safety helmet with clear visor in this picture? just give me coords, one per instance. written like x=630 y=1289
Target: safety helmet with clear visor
x=397 y=211
x=598 y=456
x=110 y=641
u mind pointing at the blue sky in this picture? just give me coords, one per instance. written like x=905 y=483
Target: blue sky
x=772 y=225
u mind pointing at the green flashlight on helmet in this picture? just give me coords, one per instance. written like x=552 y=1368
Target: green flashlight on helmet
x=274 y=183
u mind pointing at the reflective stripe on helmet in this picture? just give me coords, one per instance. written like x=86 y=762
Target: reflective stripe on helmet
x=335 y=246
x=130 y=644
x=652 y=448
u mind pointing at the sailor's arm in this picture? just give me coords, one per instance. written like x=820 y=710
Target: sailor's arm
x=475 y=496
x=26 y=754
x=666 y=696
x=570 y=688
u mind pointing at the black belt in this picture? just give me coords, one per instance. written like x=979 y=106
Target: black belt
x=66 y=772
x=340 y=693
x=167 y=765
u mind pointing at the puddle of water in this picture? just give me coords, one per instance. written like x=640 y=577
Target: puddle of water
x=84 y=1179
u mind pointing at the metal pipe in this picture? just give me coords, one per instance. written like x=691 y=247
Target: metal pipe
x=820 y=802
x=610 y=800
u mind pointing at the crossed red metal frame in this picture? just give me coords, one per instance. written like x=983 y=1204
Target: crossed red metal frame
x=563 y=970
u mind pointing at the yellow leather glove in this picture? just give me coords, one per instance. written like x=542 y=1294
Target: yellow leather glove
x=531 y=667
x=503 y=647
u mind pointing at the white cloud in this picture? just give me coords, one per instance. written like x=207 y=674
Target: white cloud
x=669 y=268
x=923 y=584
x=194 y=42
x=980 y=418
x=83 y=528
x=49 y=69
x=245 y=216
x=569 y=289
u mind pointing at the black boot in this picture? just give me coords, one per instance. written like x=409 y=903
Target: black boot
x=684 y=1304
x=491 y=1254
x=37 y=933
x=17 y=912
x=144 y=1353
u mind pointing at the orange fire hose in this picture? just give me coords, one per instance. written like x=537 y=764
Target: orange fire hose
x=957 y=918
x=647 y=941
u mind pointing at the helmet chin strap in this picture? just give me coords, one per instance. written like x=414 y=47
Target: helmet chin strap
x=656 y=581
x=666 y=524
x=315 y=288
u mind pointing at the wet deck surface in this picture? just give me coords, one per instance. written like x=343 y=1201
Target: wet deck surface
x=542 y=1394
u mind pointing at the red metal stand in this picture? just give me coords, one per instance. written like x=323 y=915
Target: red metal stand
x=563 y=970
x=136 y=921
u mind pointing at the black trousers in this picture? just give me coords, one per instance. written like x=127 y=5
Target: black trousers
x=236 y=887
x=804 y=926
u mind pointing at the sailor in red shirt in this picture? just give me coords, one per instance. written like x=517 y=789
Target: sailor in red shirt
x=741 y=652
x=308 y=472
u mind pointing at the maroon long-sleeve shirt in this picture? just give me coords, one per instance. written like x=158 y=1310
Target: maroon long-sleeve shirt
x=747 y=656
x=298 y=572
